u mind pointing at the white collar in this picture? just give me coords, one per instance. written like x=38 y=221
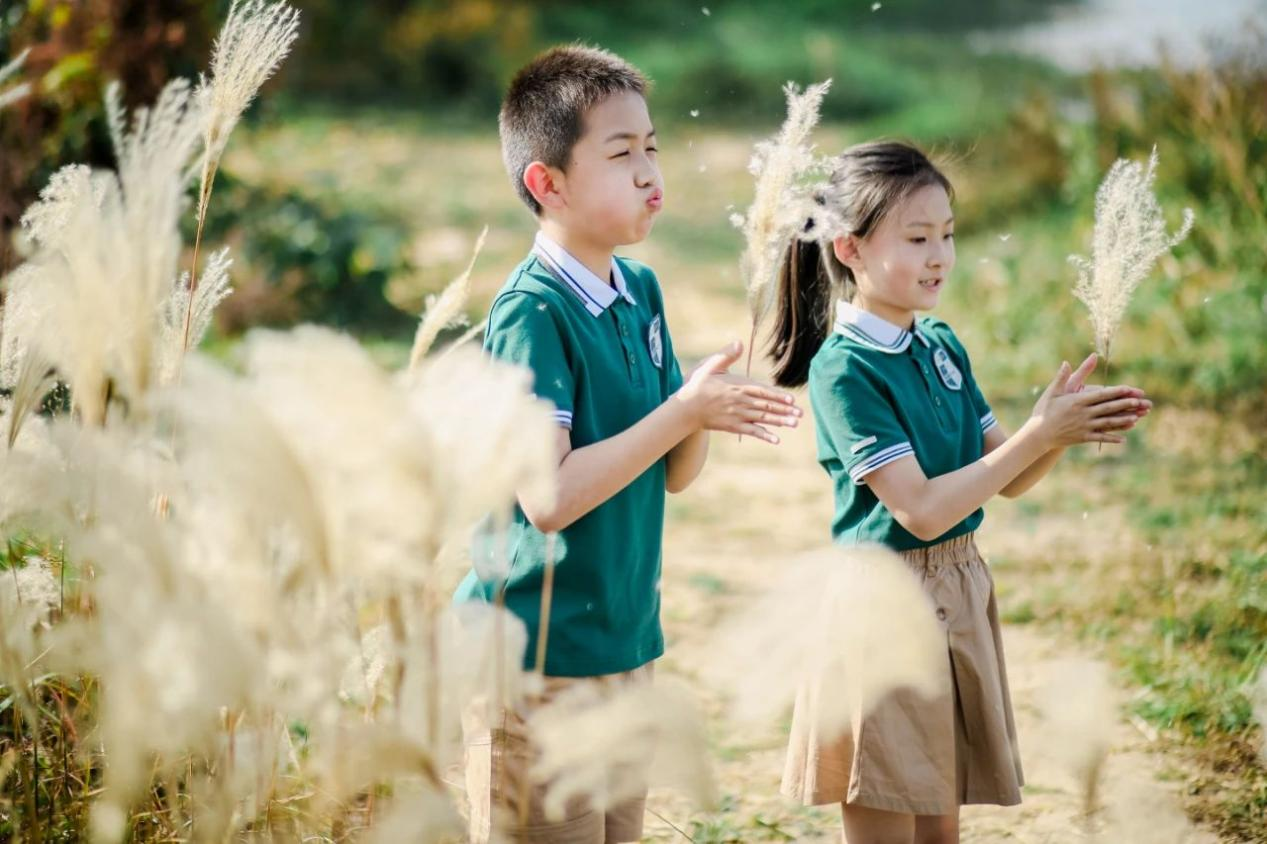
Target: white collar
x=596 y=294
x=871 y=330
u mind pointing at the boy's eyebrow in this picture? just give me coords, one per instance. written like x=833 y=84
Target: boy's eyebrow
x=625 y=136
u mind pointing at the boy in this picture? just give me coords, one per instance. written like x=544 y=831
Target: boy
x=580 y=150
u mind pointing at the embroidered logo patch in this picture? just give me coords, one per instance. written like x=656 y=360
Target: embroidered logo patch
x=946 y=369
x=655 y=343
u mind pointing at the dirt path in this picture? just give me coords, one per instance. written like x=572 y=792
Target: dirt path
x=755 y=508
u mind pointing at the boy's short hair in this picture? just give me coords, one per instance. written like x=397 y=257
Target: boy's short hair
x=543 y=114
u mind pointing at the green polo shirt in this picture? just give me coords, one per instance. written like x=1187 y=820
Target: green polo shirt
x=880 y=393
x=602 y=355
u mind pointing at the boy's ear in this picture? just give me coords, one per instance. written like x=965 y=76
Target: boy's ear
x=544 y=183
x=846 y=250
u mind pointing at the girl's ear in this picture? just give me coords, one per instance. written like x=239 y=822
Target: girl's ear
x=846 y=251
x=545 y=183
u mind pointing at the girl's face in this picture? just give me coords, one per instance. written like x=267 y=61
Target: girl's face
x=902 y=266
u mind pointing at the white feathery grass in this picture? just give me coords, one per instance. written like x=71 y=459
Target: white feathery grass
x=213 y=289
x=606 y=743
x=256 y=513
x=778 y=208
x=17 y=92
x=1079 y=715
x=106 y=248
x=368 y=455
x=446 y=310
x=255 y=38
x=852 y=625
x=471 y=668
x=421 y=815
x=22 y=369
x=1129 y=236
x=495 y=434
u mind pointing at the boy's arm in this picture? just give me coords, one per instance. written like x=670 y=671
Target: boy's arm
x=686 y=460
x=710 y=400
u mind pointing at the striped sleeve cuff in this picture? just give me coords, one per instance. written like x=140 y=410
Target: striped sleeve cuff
x=883 y=457
x=987 y=422
x=564 y=418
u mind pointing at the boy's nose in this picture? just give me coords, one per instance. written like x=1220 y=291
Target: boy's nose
x=646 y=176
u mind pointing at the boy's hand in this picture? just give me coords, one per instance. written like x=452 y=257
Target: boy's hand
x=1083 y=414
x=719 y=401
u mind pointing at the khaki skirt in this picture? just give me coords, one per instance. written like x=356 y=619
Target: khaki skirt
x=918 y=755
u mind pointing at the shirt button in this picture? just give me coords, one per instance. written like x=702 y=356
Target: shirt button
x=941 y=613
x=937 y=402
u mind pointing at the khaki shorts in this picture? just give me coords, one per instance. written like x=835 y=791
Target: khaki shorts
x=499 y=756
x=917 y=755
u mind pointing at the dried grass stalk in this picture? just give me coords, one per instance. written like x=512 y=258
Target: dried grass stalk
x=255 y=38
x=446 y=310
x=1129 y=236
x=778 y=207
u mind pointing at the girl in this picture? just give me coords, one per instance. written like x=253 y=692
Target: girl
x=913 y=452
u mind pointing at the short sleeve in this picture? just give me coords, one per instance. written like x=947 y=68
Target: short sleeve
x=859 y=418
x=522 y=330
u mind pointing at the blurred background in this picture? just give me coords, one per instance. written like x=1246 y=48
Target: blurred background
x=368 y=167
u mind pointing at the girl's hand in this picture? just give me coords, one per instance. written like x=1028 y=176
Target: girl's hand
x=1078 y=383
x=1068 y=413
x=719 y=401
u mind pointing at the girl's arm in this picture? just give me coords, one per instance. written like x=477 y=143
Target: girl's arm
x=928 y=507
x=1031 y=474
x=709 y=400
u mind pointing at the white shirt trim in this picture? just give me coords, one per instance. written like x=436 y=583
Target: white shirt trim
x=595 y=293
x=883 y=457
x=871 y=330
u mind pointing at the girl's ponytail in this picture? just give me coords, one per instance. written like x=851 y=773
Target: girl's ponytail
x=804 y=310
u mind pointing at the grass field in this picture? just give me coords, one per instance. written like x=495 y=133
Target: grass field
x=1152 y=556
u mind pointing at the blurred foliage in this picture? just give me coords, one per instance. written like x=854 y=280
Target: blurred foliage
x=304 y=258
x=77 y=46
x=731 y=55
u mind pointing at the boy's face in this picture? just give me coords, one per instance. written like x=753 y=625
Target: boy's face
x=612 y=189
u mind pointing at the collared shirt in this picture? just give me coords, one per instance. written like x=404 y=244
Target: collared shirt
x=601 y=353
x=881 y=392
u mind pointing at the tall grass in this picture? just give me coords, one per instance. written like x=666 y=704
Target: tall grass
x=222 y=605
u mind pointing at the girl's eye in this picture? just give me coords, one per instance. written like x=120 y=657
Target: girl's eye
x=918 y=239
